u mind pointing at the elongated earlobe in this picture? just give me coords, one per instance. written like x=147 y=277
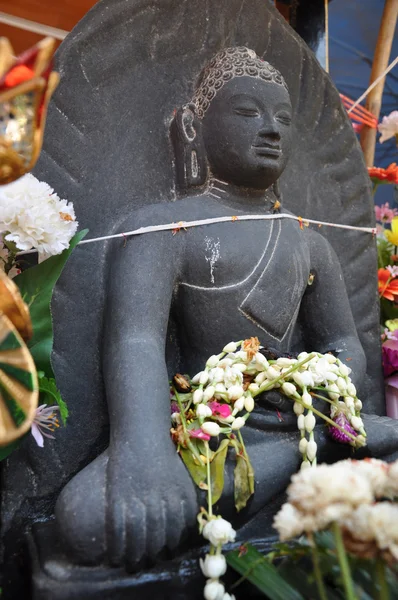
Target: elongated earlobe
x=190 y=155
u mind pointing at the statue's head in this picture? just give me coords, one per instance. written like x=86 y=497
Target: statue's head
x=237 y=124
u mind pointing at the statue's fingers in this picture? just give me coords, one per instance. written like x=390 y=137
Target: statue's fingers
x=115 y=529
x=175 y=523
x=159 y=517
x=136 y=534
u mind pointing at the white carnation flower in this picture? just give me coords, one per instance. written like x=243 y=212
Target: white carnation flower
x=388 y=126
x=288 y=522
x=376 y=523
x=33 y=216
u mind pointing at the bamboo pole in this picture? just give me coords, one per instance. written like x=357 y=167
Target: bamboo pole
x=380 y=63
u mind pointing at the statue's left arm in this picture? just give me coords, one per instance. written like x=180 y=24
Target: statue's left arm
x=328 y=324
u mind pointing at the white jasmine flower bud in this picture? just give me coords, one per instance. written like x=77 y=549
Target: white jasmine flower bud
x=249 y=403
x=356 y=422
x=214 y=590
x=229 y=419
x=211 y=428
x=349 y=402
x=330 y=376
x=219 y=390
x=298 y=409
x=195 y=379
x=197 y=396
x=242 y=355
x=235 y=392
x=176 y=417
x=213 y=566
x=261 y=377
x=331 y=358
x=305 y=465
x=301 y=422
x=212 y=361
x=238 y=423
x=285 y=362
x=303 y=445
x=232 y=376
x=334 y=392
x=203 y=411
x=231 y=347
x=341 y=384
x=216 y=375
x=298 y=379
x=272 y=373
x=219 y=531
x=208 y=393
x=225 y=362
x=260 y=359
x=302 y=356
x=289 y=389
x=241 y=367
x=360 y=441
x=351 y=389
x=311 y=450
x=239 y=405
x=228 y=597
x=307 y=398
x=344 y=370
x=358 y=404
x=309 y=422
x=253 y=387
x=204 y=377
x=306 y=378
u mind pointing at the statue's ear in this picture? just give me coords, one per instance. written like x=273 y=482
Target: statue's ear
x=190 y=155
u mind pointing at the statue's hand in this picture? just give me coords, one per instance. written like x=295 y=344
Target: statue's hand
x=274 y=399
x=151 y=503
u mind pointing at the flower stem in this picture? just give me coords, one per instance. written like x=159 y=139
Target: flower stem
x=317 y=569
x=384 y=593
x=209 y=496
x=343 y=562
x=282 y=377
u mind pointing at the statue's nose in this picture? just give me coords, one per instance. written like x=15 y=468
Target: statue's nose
x=269 y=129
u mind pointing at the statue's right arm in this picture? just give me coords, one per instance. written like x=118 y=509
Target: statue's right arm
x=151 y=499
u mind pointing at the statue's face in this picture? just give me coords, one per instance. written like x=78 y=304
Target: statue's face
x=247 y=132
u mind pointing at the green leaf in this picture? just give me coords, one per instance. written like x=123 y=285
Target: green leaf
x=36 y=285
x=217 y=470
x=50 y=394
x=198 y=472
x=242 y=482
x=254 y=567
x=384 y=251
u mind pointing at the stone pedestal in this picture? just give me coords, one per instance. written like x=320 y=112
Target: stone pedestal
x=55 y=578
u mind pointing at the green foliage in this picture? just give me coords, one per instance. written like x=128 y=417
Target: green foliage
x=36 y=285
x=217 y=470
x=50 y=394
x=384 y=251
x=196 y=469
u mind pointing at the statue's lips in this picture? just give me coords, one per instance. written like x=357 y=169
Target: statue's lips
x=266 y=150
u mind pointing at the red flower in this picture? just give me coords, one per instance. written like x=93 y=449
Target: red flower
x=18 y=75
x=389 y=175
x=388 y=287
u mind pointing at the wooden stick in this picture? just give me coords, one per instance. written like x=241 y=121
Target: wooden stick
x=380 y=63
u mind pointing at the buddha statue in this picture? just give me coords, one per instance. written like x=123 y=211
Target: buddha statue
x=205 y=287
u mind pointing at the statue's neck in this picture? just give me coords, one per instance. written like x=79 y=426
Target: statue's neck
x=249 y=200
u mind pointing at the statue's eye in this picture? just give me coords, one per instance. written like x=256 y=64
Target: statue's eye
x=283 y=117
x=246 y=111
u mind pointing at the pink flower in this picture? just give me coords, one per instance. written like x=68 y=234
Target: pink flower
x=337 y=434
x=198 y=433
x=393 y=270
x=45 y=418
x=385 y=214
x=390 y=357
x=220 y=410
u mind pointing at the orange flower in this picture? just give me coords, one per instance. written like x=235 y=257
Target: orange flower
x=252 y=346
x=389 y=175
x=388 y=287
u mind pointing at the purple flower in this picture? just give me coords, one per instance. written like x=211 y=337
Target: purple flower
x=45 y=418
x=390 y=357
x=174 y=408
x=338 y=435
